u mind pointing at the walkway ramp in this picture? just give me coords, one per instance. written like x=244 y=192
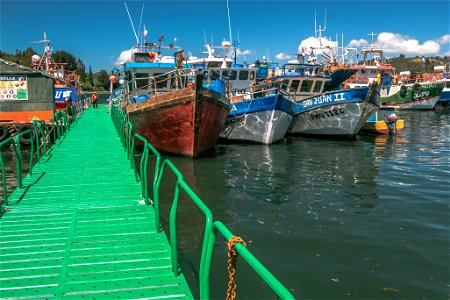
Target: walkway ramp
x=80 y=229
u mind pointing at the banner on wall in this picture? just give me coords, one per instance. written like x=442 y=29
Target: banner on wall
x=13 y=88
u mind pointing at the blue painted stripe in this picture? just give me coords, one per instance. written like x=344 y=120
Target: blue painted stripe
x=331 y=98
x=271 y=102
x=445 y=96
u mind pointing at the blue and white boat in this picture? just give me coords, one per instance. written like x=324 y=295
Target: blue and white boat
x=320 y=108
x=264 y=118
x=444 y=99
x=258 y=112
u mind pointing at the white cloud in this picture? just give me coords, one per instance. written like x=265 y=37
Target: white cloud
x=444 y=40
x=358 y=43
x=315 y=42
x=124 y=57
x=284 y=56
x=398 y=43
x=245 y=52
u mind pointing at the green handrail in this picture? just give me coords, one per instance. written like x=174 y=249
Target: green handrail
x=41 y=134
x=18 y=154
x=181 y=185
x=256 y=265
x=211 y=228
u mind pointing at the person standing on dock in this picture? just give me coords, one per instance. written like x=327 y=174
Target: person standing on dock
x=94 y=98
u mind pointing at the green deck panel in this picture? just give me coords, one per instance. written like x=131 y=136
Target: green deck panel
x=80 y=229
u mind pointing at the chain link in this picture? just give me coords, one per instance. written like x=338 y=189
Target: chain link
x=232 y=257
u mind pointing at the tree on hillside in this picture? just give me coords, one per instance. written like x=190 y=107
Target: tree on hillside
x=103 y=78
x=81 y=70
x=62 y=56
x=90 y=77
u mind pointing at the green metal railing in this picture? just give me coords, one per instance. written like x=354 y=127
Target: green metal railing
x=124 y=129
x=42 y=138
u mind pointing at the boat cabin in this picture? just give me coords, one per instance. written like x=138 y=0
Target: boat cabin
x=302 y=81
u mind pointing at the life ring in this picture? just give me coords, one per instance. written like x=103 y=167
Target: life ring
x=26 y=138
x=417 y=88
x=72 y=77
x=152 y=56
x=403 y=90
x=4 y=133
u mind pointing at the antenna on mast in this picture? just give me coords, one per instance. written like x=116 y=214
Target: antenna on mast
x=372 y=35
x=229 y=22
x=131 y=21
x=315 y=24
x=140 y=21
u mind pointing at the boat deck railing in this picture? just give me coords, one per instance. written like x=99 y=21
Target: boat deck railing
x=46 y=137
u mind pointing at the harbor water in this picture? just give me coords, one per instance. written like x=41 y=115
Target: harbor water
x=331 y=219
x=334 y=219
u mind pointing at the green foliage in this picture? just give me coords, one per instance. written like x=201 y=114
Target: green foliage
x=89 y=81
x=81 y=70
x=103 y=78
x=62 y=56
x=20 y=57
x=90 y=77
x=415 y=64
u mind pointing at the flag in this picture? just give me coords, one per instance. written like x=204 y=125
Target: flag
x=145 y=32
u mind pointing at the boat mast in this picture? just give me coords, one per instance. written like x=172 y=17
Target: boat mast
x=132 y=25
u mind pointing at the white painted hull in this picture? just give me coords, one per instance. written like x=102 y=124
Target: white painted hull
x=344 y=120
x=264 y=127
x=423 y=104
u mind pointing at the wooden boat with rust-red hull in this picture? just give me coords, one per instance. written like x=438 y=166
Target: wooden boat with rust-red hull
x=187 y=121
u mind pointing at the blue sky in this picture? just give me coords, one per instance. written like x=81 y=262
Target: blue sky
x=98 y=31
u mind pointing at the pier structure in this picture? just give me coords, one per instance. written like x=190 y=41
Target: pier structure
x=85 y=221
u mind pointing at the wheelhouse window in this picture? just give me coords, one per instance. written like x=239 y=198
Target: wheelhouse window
x=318 y=86
x=243 y=75
x=252 y=75
x=233 y=75
x=215 y=74
x=141 y=80
x=306 y=86
x=161 y=81
x=294 y=86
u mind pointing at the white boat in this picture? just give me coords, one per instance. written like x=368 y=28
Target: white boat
x=258 y=112
x=320 y=109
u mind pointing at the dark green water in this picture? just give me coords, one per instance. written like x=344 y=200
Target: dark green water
x=364 y=219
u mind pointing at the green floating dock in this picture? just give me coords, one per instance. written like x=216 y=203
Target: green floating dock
x=79 y=227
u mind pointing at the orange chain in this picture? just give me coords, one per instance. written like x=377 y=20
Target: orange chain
x=232 y=257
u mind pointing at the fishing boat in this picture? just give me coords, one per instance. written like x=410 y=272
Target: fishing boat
x=444 y=98
x=259 y=113
x=412 y=96
x=384 y=121
x=169 y=104
x=372 y=67
x=322 y=109
x=66 y=85
x=262 y=116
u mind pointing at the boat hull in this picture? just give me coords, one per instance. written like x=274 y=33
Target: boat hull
x=181 y=122
x=340 y=114
x=381 y=127
x=262 y=120
x=418 y=96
